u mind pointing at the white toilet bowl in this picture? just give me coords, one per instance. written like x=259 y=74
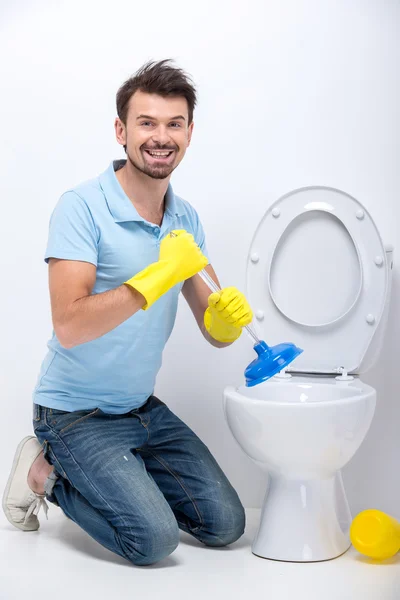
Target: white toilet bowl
x=318 y=276
x=302 y=433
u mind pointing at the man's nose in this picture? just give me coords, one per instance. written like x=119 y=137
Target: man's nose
x=161 y=135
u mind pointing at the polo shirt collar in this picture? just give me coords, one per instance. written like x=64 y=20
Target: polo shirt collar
x=121 y=208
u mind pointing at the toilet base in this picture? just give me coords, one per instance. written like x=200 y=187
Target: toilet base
x=303 y=520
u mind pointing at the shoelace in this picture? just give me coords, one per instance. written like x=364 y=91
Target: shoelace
x=38 y=503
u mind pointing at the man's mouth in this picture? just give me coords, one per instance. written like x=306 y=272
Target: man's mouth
x=160 y=155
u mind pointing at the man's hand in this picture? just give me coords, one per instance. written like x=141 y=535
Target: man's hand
x=180 y=258
x=227 y=313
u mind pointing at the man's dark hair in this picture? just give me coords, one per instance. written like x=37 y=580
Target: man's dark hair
x=157 y=78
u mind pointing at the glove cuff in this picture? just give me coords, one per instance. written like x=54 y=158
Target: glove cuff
x=154 y=281
x=220 y=331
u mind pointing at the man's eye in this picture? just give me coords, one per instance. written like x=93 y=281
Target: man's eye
x=175 y=124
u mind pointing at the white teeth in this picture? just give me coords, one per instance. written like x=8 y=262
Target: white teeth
x=162 y=154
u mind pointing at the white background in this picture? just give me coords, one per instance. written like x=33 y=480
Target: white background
x=291 y=93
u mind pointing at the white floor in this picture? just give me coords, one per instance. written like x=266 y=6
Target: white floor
x=60 y=561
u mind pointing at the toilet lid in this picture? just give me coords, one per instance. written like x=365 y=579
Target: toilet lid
x=317 y=277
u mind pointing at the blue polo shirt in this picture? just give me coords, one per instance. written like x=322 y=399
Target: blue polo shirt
x=96 y=222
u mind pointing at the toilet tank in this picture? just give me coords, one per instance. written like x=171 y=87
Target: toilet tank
x=375 y=347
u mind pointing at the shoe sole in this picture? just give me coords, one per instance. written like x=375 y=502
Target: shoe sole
x=17 y=455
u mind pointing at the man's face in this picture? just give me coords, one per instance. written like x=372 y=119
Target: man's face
x=156 y=133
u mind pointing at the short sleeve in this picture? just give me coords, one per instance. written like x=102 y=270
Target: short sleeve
x=72 y=231
x=198 y=232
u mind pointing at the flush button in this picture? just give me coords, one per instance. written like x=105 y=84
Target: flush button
x=360 y=215
x=255 y=258
x=378 y=261
x=259 y=315
x=370 y=319
x=276 y=213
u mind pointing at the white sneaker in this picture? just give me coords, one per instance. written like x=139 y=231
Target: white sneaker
x=20 y=504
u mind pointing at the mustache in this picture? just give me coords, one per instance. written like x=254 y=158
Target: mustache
x=159 y=147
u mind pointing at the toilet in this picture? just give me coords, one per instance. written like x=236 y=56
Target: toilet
x=319 y=276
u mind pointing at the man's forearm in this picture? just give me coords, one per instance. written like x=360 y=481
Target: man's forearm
x=90 y=317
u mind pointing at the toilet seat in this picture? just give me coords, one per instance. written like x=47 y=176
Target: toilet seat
x=317 y=277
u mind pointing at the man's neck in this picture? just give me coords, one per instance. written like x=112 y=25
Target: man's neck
x=146 y=194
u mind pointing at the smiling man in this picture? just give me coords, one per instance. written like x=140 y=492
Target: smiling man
x=109 y=453
x=146 y=155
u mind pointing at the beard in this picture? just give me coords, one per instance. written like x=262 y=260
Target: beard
x=153 y=171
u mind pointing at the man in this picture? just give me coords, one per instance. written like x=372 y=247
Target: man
x=107 y=451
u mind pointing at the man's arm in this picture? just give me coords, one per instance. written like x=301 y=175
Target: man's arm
x=196 y=293
x=78 y=316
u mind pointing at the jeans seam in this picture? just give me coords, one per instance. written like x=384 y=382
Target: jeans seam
x=145 y=424
x=57 y=468
x=178 y=479
x=37 y=413
x=90 y=483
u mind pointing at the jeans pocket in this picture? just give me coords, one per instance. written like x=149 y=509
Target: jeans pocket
x=60 y=421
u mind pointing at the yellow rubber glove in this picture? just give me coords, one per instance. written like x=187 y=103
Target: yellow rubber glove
x=227 y=313
x=180 y=258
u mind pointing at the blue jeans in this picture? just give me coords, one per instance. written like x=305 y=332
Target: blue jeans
x=132 y=480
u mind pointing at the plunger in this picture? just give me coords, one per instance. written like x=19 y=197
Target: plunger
x=271 y=359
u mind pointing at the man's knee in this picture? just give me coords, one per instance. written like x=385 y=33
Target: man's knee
x=230 y=528
x=157 y=541
x=226 y=527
